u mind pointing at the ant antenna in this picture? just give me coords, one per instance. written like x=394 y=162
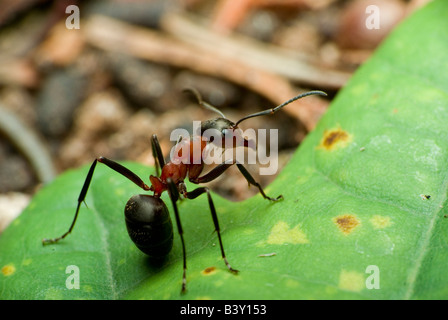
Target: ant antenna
x=274 y=110
x=203 y=103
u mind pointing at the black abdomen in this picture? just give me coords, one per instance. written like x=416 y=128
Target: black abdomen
x=149 y=225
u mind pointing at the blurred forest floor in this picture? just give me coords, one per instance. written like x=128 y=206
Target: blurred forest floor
x=68 y=96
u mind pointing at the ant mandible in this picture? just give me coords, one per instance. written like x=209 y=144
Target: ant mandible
x=147 y=217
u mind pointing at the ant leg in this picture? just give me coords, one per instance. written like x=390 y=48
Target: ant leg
x=157 y=154
x=174 y=196
x=114 y=166
x=196 y=193
x=221 y=168
x=252 y=181
x=214 y=173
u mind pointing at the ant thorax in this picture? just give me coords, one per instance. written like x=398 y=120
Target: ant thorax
x=188 y=150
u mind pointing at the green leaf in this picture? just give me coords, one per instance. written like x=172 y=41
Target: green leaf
x=368 y=187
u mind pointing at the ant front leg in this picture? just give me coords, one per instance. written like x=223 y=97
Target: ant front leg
x=221 y=168
x=114 y=166
x=196 y=193
x=252 y=181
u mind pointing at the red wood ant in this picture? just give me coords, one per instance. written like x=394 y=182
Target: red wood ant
x=147 y=217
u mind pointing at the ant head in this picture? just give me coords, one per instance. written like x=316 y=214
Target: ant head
x=223 y=132
x=220 y=131
x=222 y=126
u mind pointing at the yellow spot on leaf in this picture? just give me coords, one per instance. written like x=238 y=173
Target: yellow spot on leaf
x=8 y=270
x=351 y=281
x=281 y=234
x=346 y=223
x=380 y=222
x=208 y=271
x=334 y=138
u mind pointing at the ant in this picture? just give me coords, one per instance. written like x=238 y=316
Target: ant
x=147 y=218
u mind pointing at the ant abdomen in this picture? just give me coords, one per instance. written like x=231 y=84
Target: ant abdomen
x=149 y=225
